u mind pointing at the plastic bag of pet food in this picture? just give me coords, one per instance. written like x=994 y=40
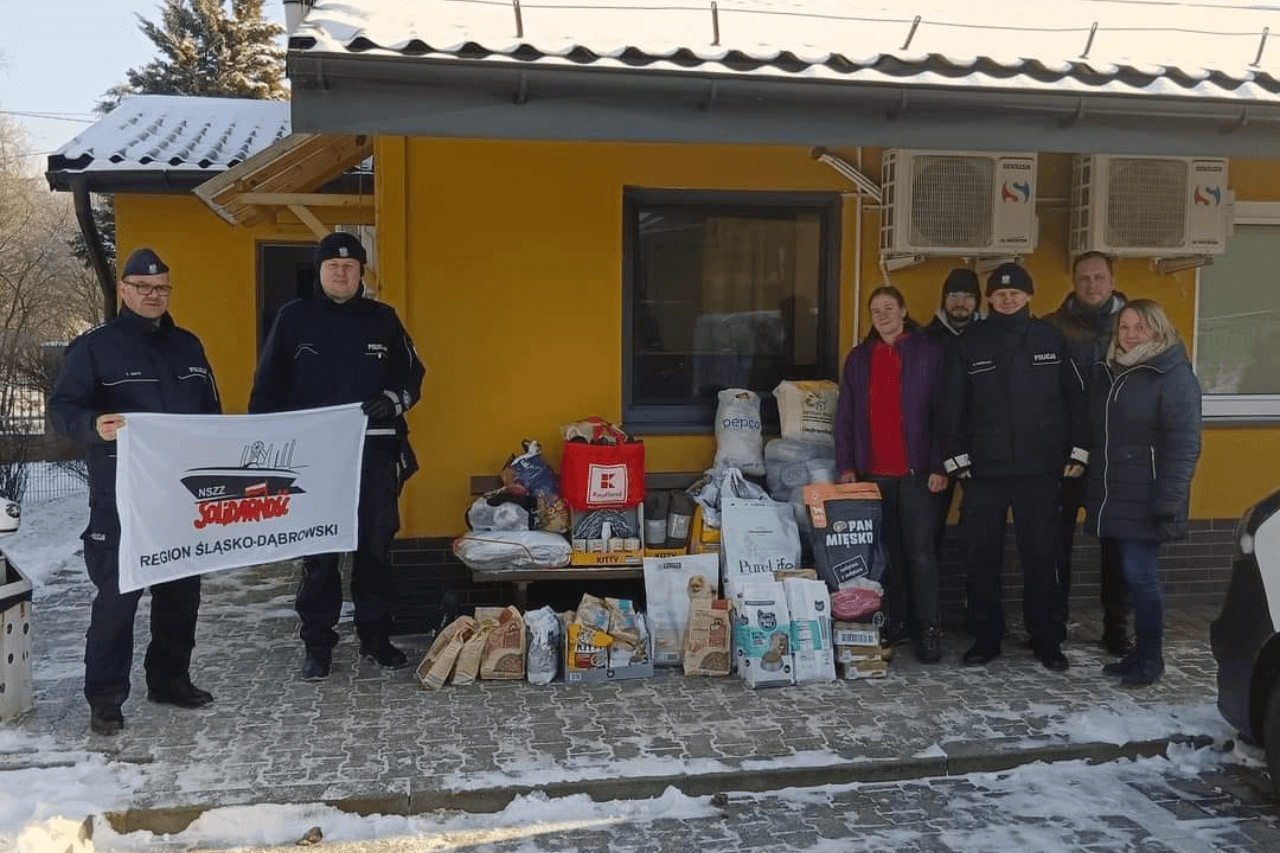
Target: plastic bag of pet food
x=543 y=659
x=757 y=538
x=809 y=604
x=739 y=439
x=670 y=584
x=846 y=536
x=807 y=409
x=631 y=653
x=762 y=635
x=529 y=473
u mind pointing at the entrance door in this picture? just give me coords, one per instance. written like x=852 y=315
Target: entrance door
x=286 y=271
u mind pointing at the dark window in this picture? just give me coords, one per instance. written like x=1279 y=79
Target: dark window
x=724 y=290
x=286 y=271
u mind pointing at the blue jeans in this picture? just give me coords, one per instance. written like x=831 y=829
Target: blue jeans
x=1138 y=559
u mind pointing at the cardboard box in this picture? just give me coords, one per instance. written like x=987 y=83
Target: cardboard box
x=616 y=551
x=857 y=654
x=18 y=693
x=579 y=649
x=662 y=553
x=862 y=669
x=855 y=634
x=703 y=539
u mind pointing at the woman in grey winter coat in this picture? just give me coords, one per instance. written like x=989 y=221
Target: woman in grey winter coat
x=1144 y=412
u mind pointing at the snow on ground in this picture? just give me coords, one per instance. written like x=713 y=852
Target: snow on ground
x=43 y=805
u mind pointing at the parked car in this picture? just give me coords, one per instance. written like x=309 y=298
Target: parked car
x=1246 y=636
x=10 y=515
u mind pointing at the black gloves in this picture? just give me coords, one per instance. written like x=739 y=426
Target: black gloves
x=381 y=407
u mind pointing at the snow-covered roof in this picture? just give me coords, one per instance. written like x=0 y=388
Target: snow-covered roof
x=178 y=138
x=1209 y=49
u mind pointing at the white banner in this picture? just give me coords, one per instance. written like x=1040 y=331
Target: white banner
x=198 y=493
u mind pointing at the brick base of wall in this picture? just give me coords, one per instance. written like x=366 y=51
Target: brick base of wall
x=1195 y=571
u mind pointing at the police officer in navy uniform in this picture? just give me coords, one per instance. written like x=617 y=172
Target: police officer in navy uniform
x=138 y=362
x=1013 y=424
x=340 y=346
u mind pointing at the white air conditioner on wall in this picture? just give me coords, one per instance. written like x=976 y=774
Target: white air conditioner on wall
x=1155 y=207
x=958 y=203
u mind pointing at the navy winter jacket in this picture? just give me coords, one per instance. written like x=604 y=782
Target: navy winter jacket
x=129 y=364
x=921 y=376
x=1145 y=421
x=1086 y=330
x=1013 y=403
x=324 y=353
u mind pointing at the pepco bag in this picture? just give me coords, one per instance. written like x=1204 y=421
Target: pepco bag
x=602 y=476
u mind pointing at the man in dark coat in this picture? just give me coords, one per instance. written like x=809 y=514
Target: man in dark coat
x=959 y=307
x=138 y=362
x=1086 y=318
x=339 y=347
x=1013 y=424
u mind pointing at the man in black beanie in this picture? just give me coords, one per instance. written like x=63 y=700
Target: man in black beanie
x=959 y=305
x=138 y=362
x=1012 y=427
x=341 y=346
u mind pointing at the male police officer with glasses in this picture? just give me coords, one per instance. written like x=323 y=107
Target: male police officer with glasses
x=336 y=347
x=138 y=362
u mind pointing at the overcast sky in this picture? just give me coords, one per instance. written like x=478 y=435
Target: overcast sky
x=59 y=56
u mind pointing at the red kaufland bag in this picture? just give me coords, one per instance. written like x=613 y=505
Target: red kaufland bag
x=602 y=476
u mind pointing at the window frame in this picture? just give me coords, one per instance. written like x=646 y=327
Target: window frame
x=1239 y=408
x=693 y=419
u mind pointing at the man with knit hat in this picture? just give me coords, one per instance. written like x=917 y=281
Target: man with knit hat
x=138 y=362
x=959 y=305
x=1012 y=427
x=341 y=346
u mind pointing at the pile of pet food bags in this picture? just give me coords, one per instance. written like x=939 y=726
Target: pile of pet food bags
x=802 y=518
x=603 y=638
x=792 y=594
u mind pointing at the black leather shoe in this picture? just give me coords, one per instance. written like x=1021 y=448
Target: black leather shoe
x=981 y=655
x=1145 y=670
x=384 y=654
x=1054 y=660
x=928 y=646
x=106 y=719
x=1117 y=643
x=316 y=666
x=1122 y=666
x=180 y=692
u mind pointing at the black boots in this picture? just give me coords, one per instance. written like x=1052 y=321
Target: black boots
x=1143 y=666
x=316 y=666
x=178 y=691
x=928 y=644
x=106 y=719
x=381 y=652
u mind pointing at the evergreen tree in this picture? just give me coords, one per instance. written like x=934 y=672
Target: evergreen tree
x=206 y=51
x=202 y=51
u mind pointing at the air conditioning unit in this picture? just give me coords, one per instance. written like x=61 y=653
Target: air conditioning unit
x=958 y=203
x=1157 y=207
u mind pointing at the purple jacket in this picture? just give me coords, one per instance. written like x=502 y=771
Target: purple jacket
x=921 y=381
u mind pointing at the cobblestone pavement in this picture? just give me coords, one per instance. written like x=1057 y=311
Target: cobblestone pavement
x=370 y=740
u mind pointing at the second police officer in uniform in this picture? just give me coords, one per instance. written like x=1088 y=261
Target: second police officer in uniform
x=342 y=347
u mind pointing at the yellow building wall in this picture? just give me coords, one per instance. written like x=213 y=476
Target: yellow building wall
x=213 y=269
x=505 y=262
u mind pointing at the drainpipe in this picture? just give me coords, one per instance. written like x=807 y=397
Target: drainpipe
x=97 y=255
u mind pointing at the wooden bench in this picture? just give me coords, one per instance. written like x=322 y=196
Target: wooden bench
x=482 y=484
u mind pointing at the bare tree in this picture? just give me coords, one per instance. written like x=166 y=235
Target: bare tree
x=46 y=297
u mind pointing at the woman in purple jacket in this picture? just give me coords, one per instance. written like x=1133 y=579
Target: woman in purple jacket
x=884 y=435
